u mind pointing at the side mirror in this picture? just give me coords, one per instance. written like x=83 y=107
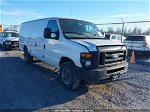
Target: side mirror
x=47 y=33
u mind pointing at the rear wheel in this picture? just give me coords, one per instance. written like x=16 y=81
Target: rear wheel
x=68 y=75
x=28 y=58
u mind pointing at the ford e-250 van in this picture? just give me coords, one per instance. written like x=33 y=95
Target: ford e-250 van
x=77 y=48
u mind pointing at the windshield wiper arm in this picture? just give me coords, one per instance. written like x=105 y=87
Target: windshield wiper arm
x=74 y=33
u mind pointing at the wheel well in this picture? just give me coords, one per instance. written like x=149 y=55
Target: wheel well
x=64 y=59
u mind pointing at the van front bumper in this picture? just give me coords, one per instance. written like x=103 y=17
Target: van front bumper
x=100 y=74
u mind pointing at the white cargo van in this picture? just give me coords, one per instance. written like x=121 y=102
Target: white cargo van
x=75 y=47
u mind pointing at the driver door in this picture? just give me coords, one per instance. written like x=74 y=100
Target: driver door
x=51 y=45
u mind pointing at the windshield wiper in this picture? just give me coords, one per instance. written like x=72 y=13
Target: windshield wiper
x=85 y=36
x=74 y=33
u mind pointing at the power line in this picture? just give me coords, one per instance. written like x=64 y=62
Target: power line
x=124 y=22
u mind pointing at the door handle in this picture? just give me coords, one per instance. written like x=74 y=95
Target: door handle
x=35 y=45
x=44 y=46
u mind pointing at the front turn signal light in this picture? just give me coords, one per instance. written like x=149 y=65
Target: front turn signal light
x=86 y=55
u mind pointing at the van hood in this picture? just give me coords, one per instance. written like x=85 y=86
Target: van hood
x=91 y=44
x=12 y=39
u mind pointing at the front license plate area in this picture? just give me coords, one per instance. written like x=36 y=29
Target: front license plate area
x=116 y=76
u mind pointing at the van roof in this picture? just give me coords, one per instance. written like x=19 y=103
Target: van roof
x=52 y=18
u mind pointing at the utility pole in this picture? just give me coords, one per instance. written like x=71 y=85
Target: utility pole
x=122 y=28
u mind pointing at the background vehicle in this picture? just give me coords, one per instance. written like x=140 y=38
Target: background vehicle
x=76 y=47
x=115 y=37
x=9 y=39
x=138 y=43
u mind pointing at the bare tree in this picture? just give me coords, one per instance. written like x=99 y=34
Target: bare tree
x=118 y=31
x=110 y=30
x=147 y=32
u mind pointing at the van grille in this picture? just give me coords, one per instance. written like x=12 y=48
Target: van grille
x=14 y=43
x=112 y=57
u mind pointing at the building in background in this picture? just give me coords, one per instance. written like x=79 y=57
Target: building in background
x=10 y=28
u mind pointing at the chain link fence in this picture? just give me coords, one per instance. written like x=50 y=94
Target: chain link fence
x=126 y=28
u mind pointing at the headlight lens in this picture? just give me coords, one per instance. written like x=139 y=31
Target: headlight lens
x=88 y=63
x=86 y=59
x=89 y=60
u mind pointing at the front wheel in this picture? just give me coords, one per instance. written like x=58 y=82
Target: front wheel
x=28 y=58
x=68 y=75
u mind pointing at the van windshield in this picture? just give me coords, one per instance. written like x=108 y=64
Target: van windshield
x=11 y=34
x=135 y=38
x=78 y=29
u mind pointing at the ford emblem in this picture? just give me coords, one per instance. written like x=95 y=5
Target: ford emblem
x=114 y=56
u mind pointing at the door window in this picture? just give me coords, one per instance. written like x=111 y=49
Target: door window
x=52 y=24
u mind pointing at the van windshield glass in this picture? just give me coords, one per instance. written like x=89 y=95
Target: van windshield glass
x=78 y=29
x=135 y=38
x=11 y=34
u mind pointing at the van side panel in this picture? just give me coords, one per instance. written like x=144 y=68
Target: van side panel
x=31 y=35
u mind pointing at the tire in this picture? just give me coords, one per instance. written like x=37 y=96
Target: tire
x=5 y=47
x=68 y=76
x=28 y=58
x=146 y=54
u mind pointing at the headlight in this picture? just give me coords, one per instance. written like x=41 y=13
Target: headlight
x=88 y=63
x=89 y=60
x=86 y=59
x=7 y=42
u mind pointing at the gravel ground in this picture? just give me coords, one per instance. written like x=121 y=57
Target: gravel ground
x=36 y=87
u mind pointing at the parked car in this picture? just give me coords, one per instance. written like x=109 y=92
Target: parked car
x=115 y=37
x=75 y=47
x=140 y=44
x=9 y=39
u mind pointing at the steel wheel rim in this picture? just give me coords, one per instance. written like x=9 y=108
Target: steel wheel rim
x=66 y=76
